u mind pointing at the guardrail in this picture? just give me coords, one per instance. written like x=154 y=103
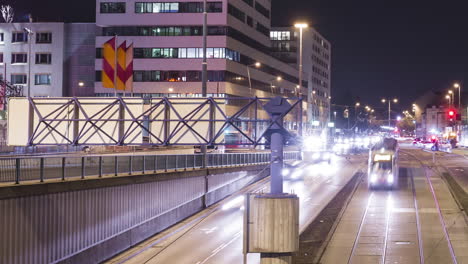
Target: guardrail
x=16 y=170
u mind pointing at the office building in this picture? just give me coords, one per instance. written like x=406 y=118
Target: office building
x=54 y=59
x=167 y=39
x=316 y=66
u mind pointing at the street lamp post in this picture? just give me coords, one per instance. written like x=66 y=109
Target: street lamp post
x=204 y=63
x=448 y=97
x=389 y=107
x=355 y=111
x=277 y=79
x=30 y=34
x=456 y=85
x=300 y=26
x=257 y=65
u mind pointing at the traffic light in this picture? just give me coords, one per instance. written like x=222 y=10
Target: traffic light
x=452 y=114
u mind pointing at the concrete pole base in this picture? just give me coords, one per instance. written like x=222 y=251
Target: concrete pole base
x=275 y=258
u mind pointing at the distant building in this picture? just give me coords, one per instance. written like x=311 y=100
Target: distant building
x=316 y=65
x=434 y=121
x=167 y=39
x=61 y=57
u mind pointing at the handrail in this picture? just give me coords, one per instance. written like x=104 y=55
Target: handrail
x=16 y=170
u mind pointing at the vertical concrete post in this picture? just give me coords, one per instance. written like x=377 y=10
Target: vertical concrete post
x=276 y=166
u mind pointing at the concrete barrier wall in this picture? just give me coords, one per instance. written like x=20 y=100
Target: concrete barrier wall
x=89 y=223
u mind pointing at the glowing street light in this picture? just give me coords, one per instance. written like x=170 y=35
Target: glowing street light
x=277 y=79
x=256 y=65
x=301 y=27
x=458 y=86
x=395 y=100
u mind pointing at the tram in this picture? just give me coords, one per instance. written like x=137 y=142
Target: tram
x=383 y=165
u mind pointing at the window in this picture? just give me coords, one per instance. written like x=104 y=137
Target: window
x=1 y=57
x=262 y=10
x=19 y=37
x=280 y=35
x=42 y=79
x=18 y=79
x=43 y=58
x=113 y=7
x=2 y=37
x=249 y=21
x=249 y=2
x=176 y=7
x=214 y=7
x=186 y=53
x=19 y=58
x=235 y=12
x=262 y=29
x=44 y=37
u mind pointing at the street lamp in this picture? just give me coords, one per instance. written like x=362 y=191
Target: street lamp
x=301 y=27
x=205 y=42
x=277 y=79
x=356 y=105
x=457 y=86
x=30 y=34
x=256 y=65
x=452 y=96
x=395 y=100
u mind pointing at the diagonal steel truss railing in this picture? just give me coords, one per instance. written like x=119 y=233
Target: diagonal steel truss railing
x=154 y=121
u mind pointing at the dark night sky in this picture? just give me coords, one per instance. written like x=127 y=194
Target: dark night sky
x=379 y=48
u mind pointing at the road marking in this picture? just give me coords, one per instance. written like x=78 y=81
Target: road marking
x=218 y=249
x=209 y=230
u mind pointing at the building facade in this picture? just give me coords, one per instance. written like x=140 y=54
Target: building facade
x=167 y=39
x=316 y=66
x=434 y=121
x=39 y=55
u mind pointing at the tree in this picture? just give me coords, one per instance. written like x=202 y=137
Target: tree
x=406 y=125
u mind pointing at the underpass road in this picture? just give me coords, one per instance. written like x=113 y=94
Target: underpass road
x=419 y=222
x=215 y=235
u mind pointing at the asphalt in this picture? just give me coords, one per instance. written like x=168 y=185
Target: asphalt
x=215 y=235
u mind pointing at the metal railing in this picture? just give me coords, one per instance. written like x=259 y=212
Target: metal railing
x=16 y=170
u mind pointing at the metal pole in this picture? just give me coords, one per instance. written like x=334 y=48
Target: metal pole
x=389 y=110
x=248 y=77
x=100 y=166
x=18 y=171
x=116 y=166
x=82 y=167
x=63 y=168
x=41 y=175
x=115 y=67
x=204 y=63
x=459 y=97
x=29 y=61
x=300 y=60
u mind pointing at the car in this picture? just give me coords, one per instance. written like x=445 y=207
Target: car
x=416 y=141
x=318 y=156
x=445 y=146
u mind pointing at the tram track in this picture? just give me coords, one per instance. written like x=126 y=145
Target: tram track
x=438 y=209
x=377 y=201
